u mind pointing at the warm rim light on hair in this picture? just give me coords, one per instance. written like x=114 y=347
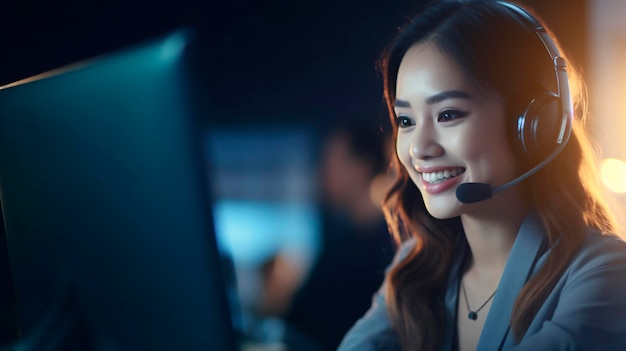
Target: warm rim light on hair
x=613 y=172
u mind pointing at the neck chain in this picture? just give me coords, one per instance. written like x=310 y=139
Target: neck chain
x=474 y=314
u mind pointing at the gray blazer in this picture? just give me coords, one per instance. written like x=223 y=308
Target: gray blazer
x=586 y=310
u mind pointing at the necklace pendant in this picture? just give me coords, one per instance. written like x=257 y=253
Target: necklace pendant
x=472 y=315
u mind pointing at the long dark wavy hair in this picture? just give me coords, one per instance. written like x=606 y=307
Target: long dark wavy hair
x=500 y=54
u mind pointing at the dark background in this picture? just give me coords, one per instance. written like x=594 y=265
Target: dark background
x=268 y=62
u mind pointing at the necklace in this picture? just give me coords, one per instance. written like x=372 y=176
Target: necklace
x=474 y=314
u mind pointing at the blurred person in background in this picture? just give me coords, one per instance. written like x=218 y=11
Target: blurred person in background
x=319 y=308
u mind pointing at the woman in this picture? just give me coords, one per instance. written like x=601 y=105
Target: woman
x=478 y=93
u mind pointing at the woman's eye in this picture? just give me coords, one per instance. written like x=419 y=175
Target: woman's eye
x=404 y=122
x=450 y=115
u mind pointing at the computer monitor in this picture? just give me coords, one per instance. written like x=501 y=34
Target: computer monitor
x=105 y=195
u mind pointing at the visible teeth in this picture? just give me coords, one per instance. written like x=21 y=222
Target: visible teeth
x=438 y=177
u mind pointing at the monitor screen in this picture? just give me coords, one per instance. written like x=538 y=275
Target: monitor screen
x=107 y=207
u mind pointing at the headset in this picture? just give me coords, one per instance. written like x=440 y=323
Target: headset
x=545 y=124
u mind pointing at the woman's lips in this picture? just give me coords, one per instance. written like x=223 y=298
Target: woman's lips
x=439 y=179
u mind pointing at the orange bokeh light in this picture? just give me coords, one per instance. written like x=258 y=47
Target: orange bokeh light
x=613 y=173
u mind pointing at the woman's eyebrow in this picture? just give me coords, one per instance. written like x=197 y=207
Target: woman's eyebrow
x=401 y=104
x=439 y=97
x=450 y=94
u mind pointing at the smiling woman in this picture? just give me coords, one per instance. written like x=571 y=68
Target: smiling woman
x=479 y=93
x=450 y=127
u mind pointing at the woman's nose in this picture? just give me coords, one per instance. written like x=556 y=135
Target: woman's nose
x=425 y=144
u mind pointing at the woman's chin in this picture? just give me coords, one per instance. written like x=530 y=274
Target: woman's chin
x=443 y=209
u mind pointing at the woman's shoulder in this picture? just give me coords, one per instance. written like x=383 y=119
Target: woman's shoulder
x=600 y=245
x=600 y=251
x=403 y=250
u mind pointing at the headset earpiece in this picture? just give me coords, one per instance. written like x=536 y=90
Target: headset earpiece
x=538 y=127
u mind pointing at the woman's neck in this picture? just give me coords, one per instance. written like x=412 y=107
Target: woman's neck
x=491 y=233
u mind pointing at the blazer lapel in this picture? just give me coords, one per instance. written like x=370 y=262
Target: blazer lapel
x=451 y=297
x=518 y=269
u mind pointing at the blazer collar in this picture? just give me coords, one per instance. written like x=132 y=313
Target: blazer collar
x=452 y=295
x=518 y=269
